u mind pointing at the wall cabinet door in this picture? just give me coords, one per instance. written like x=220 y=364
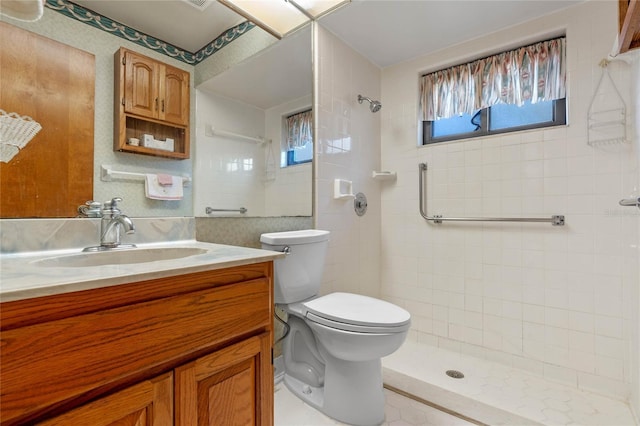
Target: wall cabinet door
x=141 y=85
x=224 y=388
x=174 y=99
x=149 y=403
x=156 y=90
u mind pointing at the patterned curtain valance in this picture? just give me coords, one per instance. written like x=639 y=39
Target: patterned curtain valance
x=299 y=130
x=531 y=73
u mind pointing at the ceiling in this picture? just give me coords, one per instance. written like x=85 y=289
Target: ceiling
x=388 y=32
x=278 y=74
x=385 y=31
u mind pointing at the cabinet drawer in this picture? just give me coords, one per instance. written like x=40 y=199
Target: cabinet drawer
x=56 y=362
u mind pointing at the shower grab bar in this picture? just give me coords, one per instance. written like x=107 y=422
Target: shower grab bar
x=210 y=210
x=555 y=220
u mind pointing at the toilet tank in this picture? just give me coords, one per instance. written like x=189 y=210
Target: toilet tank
x=298 y=275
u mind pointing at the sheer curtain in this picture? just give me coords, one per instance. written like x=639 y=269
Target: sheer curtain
x=530 y=73
x=299 y=130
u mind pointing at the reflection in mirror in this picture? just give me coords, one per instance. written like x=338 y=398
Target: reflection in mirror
x=250 y=151
x=42 y=179
x=59 y=27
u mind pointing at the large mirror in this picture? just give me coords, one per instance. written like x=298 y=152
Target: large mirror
x=270 y=190
x=246 y=162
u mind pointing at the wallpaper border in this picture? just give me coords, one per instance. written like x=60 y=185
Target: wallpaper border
x=118 y=29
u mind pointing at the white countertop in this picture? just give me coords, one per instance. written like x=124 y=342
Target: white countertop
x=22 y=278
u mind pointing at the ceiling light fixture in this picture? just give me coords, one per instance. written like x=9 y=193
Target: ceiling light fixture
x=22 y=10
x=281 y=17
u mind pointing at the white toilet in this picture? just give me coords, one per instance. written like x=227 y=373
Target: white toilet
x=333 y=349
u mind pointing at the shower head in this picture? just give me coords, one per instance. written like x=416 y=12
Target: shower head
x=374 y=105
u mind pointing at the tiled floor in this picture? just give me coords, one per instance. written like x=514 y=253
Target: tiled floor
x=399 y=411
x=494 y=394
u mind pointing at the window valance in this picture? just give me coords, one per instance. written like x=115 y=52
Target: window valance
x=530 y=73
x=299 y=129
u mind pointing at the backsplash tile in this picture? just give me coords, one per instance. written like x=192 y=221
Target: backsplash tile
x=25 y=235
x=246 y=232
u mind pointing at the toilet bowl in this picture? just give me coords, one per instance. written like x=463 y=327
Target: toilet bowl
x=333 y=349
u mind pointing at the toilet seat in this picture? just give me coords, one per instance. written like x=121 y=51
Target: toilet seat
x=357 y=313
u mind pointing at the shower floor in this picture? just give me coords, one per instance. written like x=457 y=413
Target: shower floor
x=494 y=394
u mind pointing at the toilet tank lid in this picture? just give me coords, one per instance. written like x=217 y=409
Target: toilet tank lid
x=295 y=237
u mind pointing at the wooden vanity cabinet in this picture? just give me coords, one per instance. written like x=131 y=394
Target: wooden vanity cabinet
x=192 y=349
x=151 y=97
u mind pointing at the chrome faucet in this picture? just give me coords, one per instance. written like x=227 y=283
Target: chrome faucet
x=110 y=224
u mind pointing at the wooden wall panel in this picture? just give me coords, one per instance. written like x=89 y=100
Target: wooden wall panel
x=55 y=85
x=629 y=25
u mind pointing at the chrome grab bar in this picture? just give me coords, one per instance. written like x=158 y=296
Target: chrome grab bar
x=555 y=220
x=210 y=210
x=630 y=202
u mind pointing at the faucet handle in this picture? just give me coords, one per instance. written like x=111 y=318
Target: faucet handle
x=113 y=204
x=90 y=209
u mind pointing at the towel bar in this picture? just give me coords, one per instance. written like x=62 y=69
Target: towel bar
x=108 y=174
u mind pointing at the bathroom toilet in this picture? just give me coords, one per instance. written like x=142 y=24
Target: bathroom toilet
x=335 y=342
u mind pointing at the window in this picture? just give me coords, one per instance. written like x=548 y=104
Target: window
x=499 y=118
x=299 y=133
x=514 y=90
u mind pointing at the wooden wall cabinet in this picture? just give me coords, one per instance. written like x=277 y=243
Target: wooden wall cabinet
x=193 y=349
x=153 y=98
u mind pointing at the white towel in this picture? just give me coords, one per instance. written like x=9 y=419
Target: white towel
x=155 y=191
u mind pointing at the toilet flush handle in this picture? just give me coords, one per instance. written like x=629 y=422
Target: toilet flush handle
x=286 y=250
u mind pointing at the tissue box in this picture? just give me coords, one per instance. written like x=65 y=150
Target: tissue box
x=147 y=140
x=150 y=142
x=166 y=145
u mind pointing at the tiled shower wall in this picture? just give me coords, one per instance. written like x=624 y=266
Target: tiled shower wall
x=553 y=300
x=348 y=148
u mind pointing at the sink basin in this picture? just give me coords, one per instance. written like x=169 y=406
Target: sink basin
x=118 y=257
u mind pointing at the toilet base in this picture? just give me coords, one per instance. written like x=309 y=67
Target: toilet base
x=352 y=392
x=278 y=369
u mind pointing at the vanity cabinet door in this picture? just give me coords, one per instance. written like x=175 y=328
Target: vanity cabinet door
x=141 y=95
x=225 y=387
x=149 y=403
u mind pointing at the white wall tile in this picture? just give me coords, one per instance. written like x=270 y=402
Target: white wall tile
x=348 y=132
